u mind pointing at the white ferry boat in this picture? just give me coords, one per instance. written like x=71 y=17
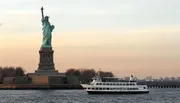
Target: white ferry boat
x=97 y=86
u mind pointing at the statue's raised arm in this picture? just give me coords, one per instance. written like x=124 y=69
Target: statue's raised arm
x=42 y=12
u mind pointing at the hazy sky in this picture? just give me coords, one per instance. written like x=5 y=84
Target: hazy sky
x=139 y=37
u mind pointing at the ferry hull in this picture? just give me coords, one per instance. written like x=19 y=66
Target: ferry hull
x=120 y=92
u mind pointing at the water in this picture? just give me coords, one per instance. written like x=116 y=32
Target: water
x=80 y=96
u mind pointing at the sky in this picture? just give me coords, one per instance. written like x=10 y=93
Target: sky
x=139 y=37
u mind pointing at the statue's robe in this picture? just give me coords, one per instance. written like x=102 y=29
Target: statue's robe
x=47 y=35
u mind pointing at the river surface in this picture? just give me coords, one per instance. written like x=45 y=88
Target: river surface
x=80 y=96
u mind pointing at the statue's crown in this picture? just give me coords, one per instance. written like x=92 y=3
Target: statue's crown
x=46 y=17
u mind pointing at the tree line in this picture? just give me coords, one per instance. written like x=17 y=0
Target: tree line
x=11 y=71
x=85 y=75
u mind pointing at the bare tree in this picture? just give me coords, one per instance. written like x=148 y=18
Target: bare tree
x=85 y=75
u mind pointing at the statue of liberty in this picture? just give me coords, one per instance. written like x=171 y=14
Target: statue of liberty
x=47 y=30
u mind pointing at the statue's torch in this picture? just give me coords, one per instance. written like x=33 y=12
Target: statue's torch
x=42 y=12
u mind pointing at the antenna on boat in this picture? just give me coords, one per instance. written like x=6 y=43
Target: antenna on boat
x=99 y=72
x=131 y=78
x=97 y=76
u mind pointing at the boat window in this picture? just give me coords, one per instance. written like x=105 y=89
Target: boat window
x=127 y=84
x=92 y=88
x=123 y=84
x=144 y=87
x=99 y=83
x=107 y=84
x=88 y=88
x=107 y=88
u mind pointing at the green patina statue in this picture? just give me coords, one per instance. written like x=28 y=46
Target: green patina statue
x=47 y=30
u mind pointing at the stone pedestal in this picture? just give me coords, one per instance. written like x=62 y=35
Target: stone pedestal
x=46 y=73
x=46 y=59
x=46 y=62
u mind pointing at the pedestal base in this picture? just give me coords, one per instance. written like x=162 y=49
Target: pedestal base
x=46 y=72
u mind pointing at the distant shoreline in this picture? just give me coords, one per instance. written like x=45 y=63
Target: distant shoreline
x=38 y=87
